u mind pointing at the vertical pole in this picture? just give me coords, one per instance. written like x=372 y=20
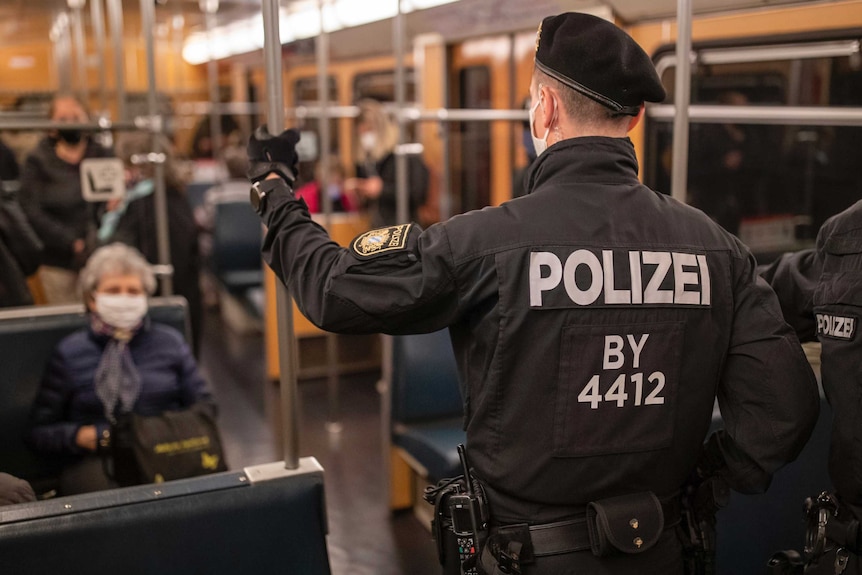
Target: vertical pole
x=148 y=25
x=115 y=16
x=80 y=54
x=177 y=23
x=212 y=80
x=62 y=58
x=445 y=174
x=98 y=21
x=322 y=51
x=287 y=357
x=682 y=97
x=402 y=201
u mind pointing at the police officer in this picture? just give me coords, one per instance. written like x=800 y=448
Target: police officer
x=594 y=322
x=820 y=291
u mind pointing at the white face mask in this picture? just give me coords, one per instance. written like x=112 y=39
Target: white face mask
x=368 y=141
x=540 y=144
x=121 y=311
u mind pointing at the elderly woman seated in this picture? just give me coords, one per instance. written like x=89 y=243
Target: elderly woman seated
x=121 y=363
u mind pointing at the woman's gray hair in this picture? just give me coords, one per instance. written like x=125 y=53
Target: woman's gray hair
x=115 y=259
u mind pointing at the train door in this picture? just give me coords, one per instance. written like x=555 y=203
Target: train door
x=481 y=77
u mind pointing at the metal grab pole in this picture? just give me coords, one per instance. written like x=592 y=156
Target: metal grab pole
x=212 y=80
x=402 y=200
x=115 y=16
x=322 y=48
x=98 y=22
x=287 y=356
x=682 y=97
x=163 y=241
x=446 y=174
x=80 y=53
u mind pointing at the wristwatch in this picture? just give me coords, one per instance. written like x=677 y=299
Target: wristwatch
x=261 y=189
x=257 y=197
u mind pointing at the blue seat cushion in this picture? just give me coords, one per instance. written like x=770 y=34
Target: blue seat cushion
x=237 y=281
x=433 y=445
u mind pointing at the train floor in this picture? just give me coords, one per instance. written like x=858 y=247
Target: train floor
x=364 y=537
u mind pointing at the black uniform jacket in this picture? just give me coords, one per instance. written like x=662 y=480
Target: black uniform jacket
x=821 y=293
x=593 y=320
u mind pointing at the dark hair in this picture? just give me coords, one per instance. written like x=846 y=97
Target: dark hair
x=130 y=144
x=579 y=107
x=66 y=96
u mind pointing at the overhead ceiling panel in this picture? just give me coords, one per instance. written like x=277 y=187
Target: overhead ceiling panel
x=639 y=10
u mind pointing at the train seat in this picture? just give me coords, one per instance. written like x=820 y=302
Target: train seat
x=28 y=336
x=196 y=192
x=753 y=527
x=237 y=240
x=263 y=520
x=426 y=405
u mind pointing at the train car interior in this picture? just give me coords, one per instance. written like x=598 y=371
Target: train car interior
x=331 y=439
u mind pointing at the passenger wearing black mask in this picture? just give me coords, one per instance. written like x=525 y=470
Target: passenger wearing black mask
x=51 y=197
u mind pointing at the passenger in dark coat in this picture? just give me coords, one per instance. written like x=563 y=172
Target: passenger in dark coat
x=20 y=254
x=376 y=182
x=136 y=224
x=81 y=391
x=51 y=197
x=594 y=322
x=9 y=171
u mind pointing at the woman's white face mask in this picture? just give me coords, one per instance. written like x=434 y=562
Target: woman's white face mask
x=121 y=311
x=368 y=141
x=540 y=144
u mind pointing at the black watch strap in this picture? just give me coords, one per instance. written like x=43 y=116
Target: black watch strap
x=260 y=191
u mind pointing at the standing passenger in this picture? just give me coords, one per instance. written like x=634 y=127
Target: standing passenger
x=820 y=292
x=133 y=222
x=594 y=322
x=376 y=183
x=51 y=197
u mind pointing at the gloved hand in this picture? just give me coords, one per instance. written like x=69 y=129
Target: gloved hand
x=268 y=153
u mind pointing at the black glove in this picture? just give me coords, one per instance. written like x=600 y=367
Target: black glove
x=268 y=153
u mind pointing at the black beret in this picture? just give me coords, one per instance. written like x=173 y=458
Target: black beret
x=599 y=60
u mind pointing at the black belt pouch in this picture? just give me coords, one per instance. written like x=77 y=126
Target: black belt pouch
x=627 y=523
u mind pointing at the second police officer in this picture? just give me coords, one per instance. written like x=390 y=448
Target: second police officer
x=820 y=291
x=594 y=322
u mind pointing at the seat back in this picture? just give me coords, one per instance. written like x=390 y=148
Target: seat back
x=265 y=520
x=28 y=337
x=424 y=378
x=237 y=240
x=753 y=527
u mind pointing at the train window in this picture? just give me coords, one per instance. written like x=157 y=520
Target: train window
x=771 y=153
x=305 y=93
x=380 y=85
x=471 y=143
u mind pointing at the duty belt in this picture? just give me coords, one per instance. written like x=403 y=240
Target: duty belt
x=574 y=535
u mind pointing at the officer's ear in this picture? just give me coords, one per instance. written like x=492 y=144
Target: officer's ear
x=549 y=102
x=636 y=119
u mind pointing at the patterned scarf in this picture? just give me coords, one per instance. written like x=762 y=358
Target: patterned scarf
x=118 y=383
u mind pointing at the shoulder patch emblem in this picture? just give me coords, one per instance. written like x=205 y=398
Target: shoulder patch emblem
x=381 y=240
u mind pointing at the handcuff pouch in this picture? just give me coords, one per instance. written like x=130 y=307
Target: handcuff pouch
x=627 y=523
